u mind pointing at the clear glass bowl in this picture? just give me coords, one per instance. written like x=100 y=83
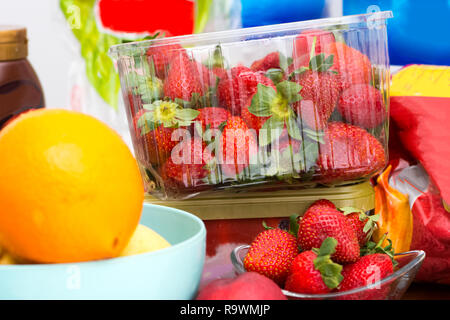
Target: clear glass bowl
x=295 y=105
x=390 y=288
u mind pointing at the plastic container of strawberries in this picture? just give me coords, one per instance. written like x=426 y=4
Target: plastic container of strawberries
x=297 y=105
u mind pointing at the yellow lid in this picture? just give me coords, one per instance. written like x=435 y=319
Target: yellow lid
x=271 y=204
x=13 y=43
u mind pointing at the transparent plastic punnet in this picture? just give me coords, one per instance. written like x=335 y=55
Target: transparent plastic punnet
x=295 y=105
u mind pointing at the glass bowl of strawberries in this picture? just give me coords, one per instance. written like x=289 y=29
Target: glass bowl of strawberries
x=283 y=106
x=390 y=288
x=330 y=253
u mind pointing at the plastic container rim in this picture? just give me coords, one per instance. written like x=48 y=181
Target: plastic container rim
x=223 y=36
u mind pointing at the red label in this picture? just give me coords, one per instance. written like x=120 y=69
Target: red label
x=145 y=16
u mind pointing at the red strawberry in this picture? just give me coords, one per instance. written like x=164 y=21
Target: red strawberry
x=213 y=68
x=349 y=152
x=272 y=60
x=226 y=74
x=162 y=56
x=213 y=117
x=237 y=146
x=235 y=71
x=134 y=103
x=298 y=62
x=252 y=121
x=358 y=226
x=368 y=270
x=271 y=254
x=136 y=117
x=182 y=80
x=320 y=92
x=234 y=91
x=185 y=168
x=303 y=42
x=353 y=66
x=304 y=278
x=285 y=141
x=321 y=222
x=158 y=144
x=313 y=271
x=155 y=126
x=362 y=105
x=318 y=204
x=219 y=72
x=363 y=224
x=208 y=77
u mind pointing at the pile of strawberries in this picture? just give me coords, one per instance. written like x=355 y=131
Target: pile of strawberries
x=326 y=250
x=315 y=115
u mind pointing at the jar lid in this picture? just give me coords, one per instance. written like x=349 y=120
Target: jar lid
x=13 y=43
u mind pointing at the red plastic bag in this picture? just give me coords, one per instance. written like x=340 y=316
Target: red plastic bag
x=420 y=151
x=431 y=221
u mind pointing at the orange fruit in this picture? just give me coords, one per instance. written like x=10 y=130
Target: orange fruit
x=70 y=189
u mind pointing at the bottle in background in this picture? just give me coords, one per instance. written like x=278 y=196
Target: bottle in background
x=20 y=89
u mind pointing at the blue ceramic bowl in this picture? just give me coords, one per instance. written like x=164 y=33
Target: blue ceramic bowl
x=170 y=273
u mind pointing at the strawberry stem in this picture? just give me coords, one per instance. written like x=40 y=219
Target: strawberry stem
x=293 y=224
x=312 y=53
x=372 y=247
x=266 y=226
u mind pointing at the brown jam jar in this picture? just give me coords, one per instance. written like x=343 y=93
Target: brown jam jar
x=20 y=89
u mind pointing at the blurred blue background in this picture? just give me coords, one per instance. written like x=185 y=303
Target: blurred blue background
x=264 y=12
x=418 y=33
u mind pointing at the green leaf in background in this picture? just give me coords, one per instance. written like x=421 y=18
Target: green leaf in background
x=202 y=8
x=94 y=47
